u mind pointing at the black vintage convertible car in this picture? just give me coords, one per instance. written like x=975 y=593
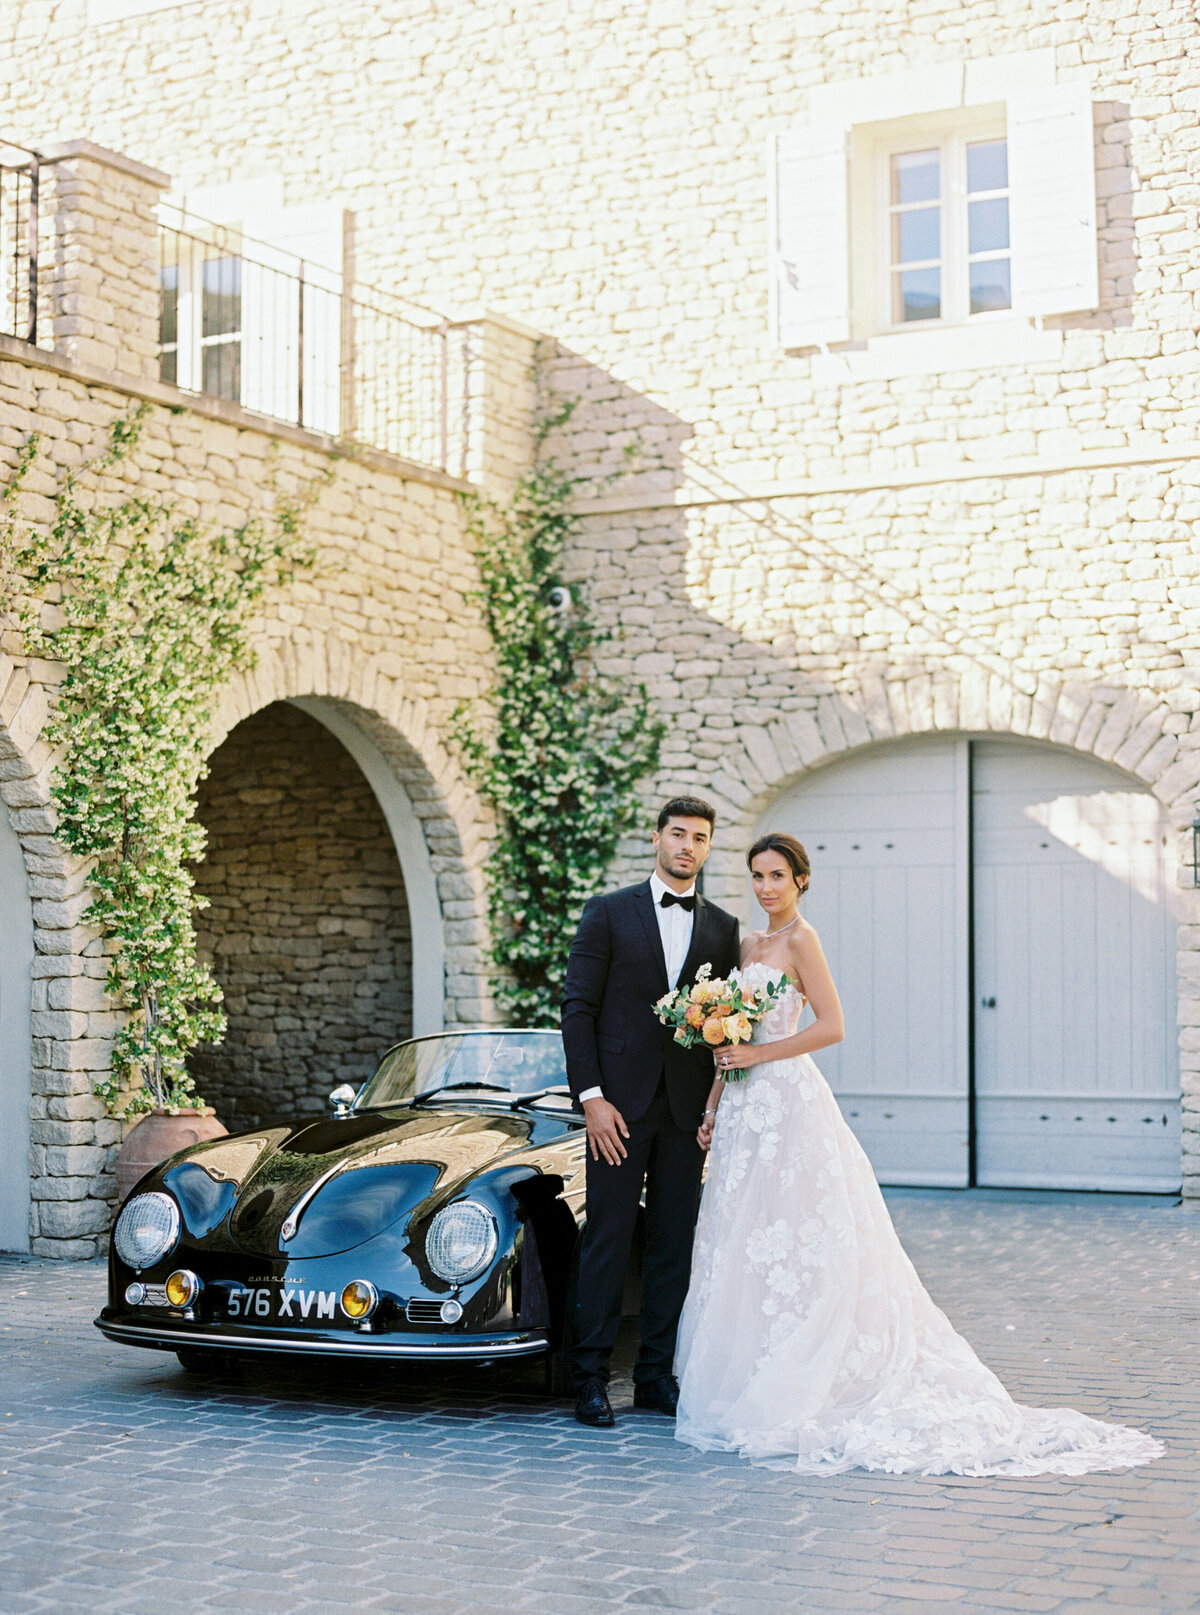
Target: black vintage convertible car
x=433 y=1215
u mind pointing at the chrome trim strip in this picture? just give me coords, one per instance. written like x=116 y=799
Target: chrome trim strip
x=292 y=1221
x=141 y=1334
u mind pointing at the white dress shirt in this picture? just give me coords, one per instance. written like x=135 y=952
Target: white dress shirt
x=674 y=927
x=675 y=932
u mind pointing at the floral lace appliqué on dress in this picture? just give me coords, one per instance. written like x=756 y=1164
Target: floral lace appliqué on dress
x=808 y=1342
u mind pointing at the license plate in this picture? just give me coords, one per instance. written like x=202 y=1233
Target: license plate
x=272 y=1304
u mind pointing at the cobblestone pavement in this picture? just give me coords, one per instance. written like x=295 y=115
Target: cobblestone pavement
x=128 y=1488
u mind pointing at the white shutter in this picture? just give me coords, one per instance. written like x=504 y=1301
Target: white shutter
x=1052 y=200
x=810 y=248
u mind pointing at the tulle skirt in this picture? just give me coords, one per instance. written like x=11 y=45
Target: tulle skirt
x=809 y=1343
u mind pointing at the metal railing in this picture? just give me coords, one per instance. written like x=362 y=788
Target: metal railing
x=18 y=242
x=250 y=322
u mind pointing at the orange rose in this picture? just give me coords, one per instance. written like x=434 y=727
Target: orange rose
x=723 y=1009
x=695 y=1015
x=713 y=1031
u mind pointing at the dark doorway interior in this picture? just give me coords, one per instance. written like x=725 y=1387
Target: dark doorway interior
x=308 y=928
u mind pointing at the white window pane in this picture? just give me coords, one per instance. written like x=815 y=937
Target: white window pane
x=916 y=235
x=168 y=305
x=916 y=176
x=222 y=370
x=222 y=297
x=987 y=165
x=916 y=295
x=991 y=286
x=987 y=225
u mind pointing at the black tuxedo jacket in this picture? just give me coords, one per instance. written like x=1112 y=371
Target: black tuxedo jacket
x=615 y=975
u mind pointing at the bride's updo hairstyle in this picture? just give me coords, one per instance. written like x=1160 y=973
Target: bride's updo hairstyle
x=788 y=848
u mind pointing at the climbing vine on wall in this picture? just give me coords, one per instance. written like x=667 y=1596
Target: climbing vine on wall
x=560 y=749
x=146 y=611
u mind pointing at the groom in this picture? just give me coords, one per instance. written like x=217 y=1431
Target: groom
x=643 y=1097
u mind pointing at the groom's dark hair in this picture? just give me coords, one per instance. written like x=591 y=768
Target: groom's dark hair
x=687 y=807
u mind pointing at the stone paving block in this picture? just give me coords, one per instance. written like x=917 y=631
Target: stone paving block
x=926 y=1592
x=458 y=1496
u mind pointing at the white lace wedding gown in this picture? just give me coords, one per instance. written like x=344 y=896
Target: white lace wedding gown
x=807 y=1341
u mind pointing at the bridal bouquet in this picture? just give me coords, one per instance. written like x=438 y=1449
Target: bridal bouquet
x=717 y=1012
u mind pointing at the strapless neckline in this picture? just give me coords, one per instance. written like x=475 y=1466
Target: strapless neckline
x=769 y=972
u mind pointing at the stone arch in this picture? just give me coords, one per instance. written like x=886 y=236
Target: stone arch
x=1132 y=733
x=1129 y=729
x=41 y=905
x=16 y=1028
x=435 y=823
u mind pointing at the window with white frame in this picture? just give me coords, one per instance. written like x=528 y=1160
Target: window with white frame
x=943 y=217
x=951 y=217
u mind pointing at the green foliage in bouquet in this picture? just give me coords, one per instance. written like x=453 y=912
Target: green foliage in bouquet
x=147 y=614
x=560 y=748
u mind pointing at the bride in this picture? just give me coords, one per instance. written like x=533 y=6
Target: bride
x=807 y=1341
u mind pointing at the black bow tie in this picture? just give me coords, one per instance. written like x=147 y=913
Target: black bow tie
x=685 y=903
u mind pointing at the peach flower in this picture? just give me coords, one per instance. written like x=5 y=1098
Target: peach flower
x=738 y=1029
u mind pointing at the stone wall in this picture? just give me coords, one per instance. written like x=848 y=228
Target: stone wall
x=307 y=929
x=382 y=633
x=800 y=552
x=98 y=264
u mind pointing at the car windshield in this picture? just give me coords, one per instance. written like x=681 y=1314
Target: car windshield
x=515 y=1063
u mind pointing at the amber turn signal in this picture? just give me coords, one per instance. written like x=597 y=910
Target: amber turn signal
x=359 y=1299
x=182 y=1288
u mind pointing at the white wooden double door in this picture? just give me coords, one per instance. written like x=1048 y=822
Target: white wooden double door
x=997 y=917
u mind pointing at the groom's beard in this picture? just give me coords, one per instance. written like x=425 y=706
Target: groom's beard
x=681 y=868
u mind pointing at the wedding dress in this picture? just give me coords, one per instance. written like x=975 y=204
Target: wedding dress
x=807 y=1341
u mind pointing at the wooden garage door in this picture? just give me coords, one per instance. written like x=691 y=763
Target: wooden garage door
x=1076 y=1075
x=887 y=834
x=997 y=918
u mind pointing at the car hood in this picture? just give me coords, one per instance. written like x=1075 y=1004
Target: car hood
x=330 y=1185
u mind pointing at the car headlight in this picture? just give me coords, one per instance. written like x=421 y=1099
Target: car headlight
x=461 y=1241
x=146 y=1230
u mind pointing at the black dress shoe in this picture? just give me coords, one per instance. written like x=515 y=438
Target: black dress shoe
x=658 y=1395
x=592 y=1405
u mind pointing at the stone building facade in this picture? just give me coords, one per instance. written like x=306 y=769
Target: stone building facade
x=891 y=505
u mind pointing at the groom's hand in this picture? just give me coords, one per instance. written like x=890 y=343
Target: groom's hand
x=606 y=1127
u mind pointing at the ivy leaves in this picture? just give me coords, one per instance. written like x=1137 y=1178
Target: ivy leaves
x=559 y=751
x=147 y=613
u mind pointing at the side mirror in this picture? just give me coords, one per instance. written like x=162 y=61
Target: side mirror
x=342 y=1098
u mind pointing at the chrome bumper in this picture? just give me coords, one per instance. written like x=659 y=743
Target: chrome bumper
x=161 y=1337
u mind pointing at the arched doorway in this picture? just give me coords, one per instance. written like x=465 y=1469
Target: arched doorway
x=308 y=929
x=16 y=972
x=997 y=916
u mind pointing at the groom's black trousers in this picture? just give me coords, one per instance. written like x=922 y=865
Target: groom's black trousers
x=670 y=1163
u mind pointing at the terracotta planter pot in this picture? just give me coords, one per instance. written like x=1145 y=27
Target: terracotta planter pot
x=158 y=1135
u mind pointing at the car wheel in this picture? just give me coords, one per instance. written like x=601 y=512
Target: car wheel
x=205 y=1364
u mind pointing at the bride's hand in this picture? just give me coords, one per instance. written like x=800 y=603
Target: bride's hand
x=704 y=1133
x=736 y=1057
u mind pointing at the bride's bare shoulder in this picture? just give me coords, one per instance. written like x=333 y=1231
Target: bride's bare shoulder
x=805 y=953
x=750 y=941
